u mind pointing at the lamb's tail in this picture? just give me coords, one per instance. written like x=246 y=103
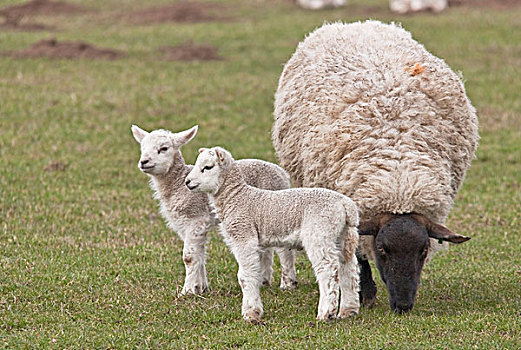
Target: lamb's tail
x=352 y=220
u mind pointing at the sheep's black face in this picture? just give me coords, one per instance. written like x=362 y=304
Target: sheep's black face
x=401 y=247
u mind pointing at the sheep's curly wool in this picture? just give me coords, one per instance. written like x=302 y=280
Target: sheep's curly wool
x=365 y=110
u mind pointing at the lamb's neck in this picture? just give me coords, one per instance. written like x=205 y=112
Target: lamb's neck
x=232 y=186
x=167 y=185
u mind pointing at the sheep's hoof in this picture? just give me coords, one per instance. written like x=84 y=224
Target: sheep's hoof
x=368 y=296
x=253 y=316
x=367 y=301
x=347 y=312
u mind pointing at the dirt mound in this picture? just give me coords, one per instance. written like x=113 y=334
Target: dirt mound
x=13 y=15
x=497 y=4
x=188 y=12
x=51 y=48
x=189 y=51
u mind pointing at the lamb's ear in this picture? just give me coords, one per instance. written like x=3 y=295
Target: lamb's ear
x=184 y=137
x=223 y=156
x=220 y=155
x=138 y=133
x=439 y=232
x=201 y=150
x=373 y=226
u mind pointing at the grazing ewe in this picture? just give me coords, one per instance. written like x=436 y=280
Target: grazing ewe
x=320 y=4
x=365 y=110
x=409 y=6
x=190 y=214
x=321 y=221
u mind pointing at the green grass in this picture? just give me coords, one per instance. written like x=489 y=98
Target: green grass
x=87 y=262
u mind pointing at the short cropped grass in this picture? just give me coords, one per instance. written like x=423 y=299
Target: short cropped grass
x=87 y=262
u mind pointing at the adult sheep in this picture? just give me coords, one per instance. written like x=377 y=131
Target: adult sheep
x=365 y=110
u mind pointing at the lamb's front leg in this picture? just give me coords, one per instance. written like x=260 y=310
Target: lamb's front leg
x=194 y=257
x=250 y=280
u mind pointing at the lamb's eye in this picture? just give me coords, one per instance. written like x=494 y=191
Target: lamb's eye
x=162 y=149
x=208 y=167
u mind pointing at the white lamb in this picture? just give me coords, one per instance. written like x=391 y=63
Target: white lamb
x=190 y=214
x=320 y=4
x=408 y=6
x=321 y=221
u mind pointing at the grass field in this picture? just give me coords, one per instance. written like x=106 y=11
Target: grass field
x=87 y=262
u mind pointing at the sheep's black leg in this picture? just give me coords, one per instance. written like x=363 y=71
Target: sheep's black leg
x=367 y=285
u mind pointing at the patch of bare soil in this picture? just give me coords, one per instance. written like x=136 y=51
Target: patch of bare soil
x=189 y=51
x=51 y=48
x=497 y=4
x=188 y=12
x=13 y=15
x=24 y=27
x=56 y=166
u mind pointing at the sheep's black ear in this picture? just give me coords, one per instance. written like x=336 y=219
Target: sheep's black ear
x=439 y=232
x=139 y=134
x=183 y=137
x=444 y=234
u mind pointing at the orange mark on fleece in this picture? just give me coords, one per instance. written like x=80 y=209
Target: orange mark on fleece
x=415 y=70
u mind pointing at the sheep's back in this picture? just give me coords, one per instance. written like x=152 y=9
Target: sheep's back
x=352 y=115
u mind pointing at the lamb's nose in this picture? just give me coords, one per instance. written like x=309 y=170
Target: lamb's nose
x=143 y=162
x=187 y=182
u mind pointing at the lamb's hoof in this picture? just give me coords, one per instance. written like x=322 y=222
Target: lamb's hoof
x=288 y=285
x=347 y=312
x=194 y=290
x=326 y=317
x=266 y=283
x=253 y=316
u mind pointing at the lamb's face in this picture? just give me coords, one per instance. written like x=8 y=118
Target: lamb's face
x=159 y=148
x=205 y=175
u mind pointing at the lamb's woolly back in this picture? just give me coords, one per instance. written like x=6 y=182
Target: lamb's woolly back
x=369 y=125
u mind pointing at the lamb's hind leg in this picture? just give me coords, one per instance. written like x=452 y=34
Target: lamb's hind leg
x=349 y=286
x=194 y=257
x=323 y=256
x=288 y=279
x=349 y=278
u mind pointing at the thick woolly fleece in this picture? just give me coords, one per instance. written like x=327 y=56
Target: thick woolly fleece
x=321 y=221
x=364 y=109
